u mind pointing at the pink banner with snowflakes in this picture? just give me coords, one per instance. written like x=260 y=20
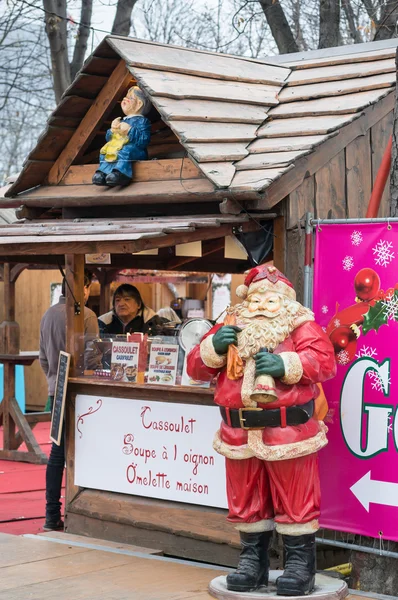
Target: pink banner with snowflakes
x=356 y=302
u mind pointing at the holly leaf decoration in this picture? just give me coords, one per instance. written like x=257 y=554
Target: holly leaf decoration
x=374 y=318
x=395 y=305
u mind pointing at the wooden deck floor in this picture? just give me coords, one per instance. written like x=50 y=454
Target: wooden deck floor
x=63 y=568
x=39 y=569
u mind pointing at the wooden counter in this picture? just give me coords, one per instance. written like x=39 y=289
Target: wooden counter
x=178 y=529
x=157 y=393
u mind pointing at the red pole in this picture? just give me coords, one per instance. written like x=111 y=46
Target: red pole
x=380 y=182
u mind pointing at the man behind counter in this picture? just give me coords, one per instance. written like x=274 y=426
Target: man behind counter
x=129 y=314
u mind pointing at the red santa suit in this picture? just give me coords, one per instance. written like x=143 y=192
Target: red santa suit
x=272 y=473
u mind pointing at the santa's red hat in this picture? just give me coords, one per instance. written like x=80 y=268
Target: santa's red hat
x=265 y=278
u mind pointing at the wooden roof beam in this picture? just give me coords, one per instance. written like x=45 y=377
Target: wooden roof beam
x=29 y=245
x=144 y=170
x=140 y=194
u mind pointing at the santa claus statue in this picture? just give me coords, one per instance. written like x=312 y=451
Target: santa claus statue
x=268 y=358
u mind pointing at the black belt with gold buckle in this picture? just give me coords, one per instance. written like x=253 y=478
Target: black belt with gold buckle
x=259 y=418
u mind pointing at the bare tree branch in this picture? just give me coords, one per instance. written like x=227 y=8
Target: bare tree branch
x=329 y=23
x=387 y=26
x=279 y=26
x=122 y=22
x=82 y=37
x=371 y=10
x=296 y=25
x=55 y=20
x=349 y=13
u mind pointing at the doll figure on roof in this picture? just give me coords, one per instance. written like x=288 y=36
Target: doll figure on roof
x=126 y=141
x=269 y=357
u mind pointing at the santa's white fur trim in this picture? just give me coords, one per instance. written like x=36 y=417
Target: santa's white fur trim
x=293 y=368
x=249 y=377
x=234 y=452
x=297 y=528
x=305 y=315
x=286 y=451
x=241 y=291
x=210 y=356
x=256 y=447
x=258 y=527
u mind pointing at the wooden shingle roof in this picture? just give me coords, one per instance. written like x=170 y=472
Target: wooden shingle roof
x=242 y=123
x=118 y=235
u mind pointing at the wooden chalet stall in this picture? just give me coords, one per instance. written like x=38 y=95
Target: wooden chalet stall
x=232 y=140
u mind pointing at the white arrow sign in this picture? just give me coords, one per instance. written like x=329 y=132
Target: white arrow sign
x=367 y=491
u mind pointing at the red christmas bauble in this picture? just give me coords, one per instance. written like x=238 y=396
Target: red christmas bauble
x=343 y=338
x=367 y=284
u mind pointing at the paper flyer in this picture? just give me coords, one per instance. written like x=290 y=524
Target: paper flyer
x=124 y=361
x=163 y=360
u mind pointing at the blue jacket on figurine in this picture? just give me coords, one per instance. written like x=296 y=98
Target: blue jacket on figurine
x=120 y=151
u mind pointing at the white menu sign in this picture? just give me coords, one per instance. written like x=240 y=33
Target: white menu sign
x=163 y=360
x=124 y=361
x=153 y=449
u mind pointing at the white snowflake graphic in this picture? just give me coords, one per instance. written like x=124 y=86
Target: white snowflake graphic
x=325 y=309
x=348 y=263
x=336 y=323
x=390 y=307
x=377 y=384
x=366 y=351
x=384 y=253
x=343 y=357
x=356 y=238
x=389 y=423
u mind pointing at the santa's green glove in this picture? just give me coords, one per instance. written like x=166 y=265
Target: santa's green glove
x=226 y=335
x=269 y=364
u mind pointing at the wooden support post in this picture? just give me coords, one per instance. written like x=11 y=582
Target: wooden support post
x=72 y=490
x=105 y=296
x=105 y=277
x=75 y=346
x=280 y=244
x=9 y=442
x=9 y=329
x=75 y=311
x=12 y=417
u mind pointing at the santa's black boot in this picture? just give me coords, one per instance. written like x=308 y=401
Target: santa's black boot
x=298 y=578
x=253 y=567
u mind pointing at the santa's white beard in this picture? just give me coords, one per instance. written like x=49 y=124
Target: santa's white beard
x=262 y=332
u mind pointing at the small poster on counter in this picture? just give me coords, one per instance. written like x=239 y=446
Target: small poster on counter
x=124 y=361
x=163 y=360
x=186 y=380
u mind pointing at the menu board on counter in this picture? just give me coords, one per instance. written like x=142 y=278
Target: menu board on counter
x=124 y=361
x=163 y=360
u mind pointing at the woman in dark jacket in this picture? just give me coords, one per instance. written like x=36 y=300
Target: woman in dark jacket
x=129 y=314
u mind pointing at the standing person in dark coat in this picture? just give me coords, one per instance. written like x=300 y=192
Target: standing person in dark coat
x=52 y=341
